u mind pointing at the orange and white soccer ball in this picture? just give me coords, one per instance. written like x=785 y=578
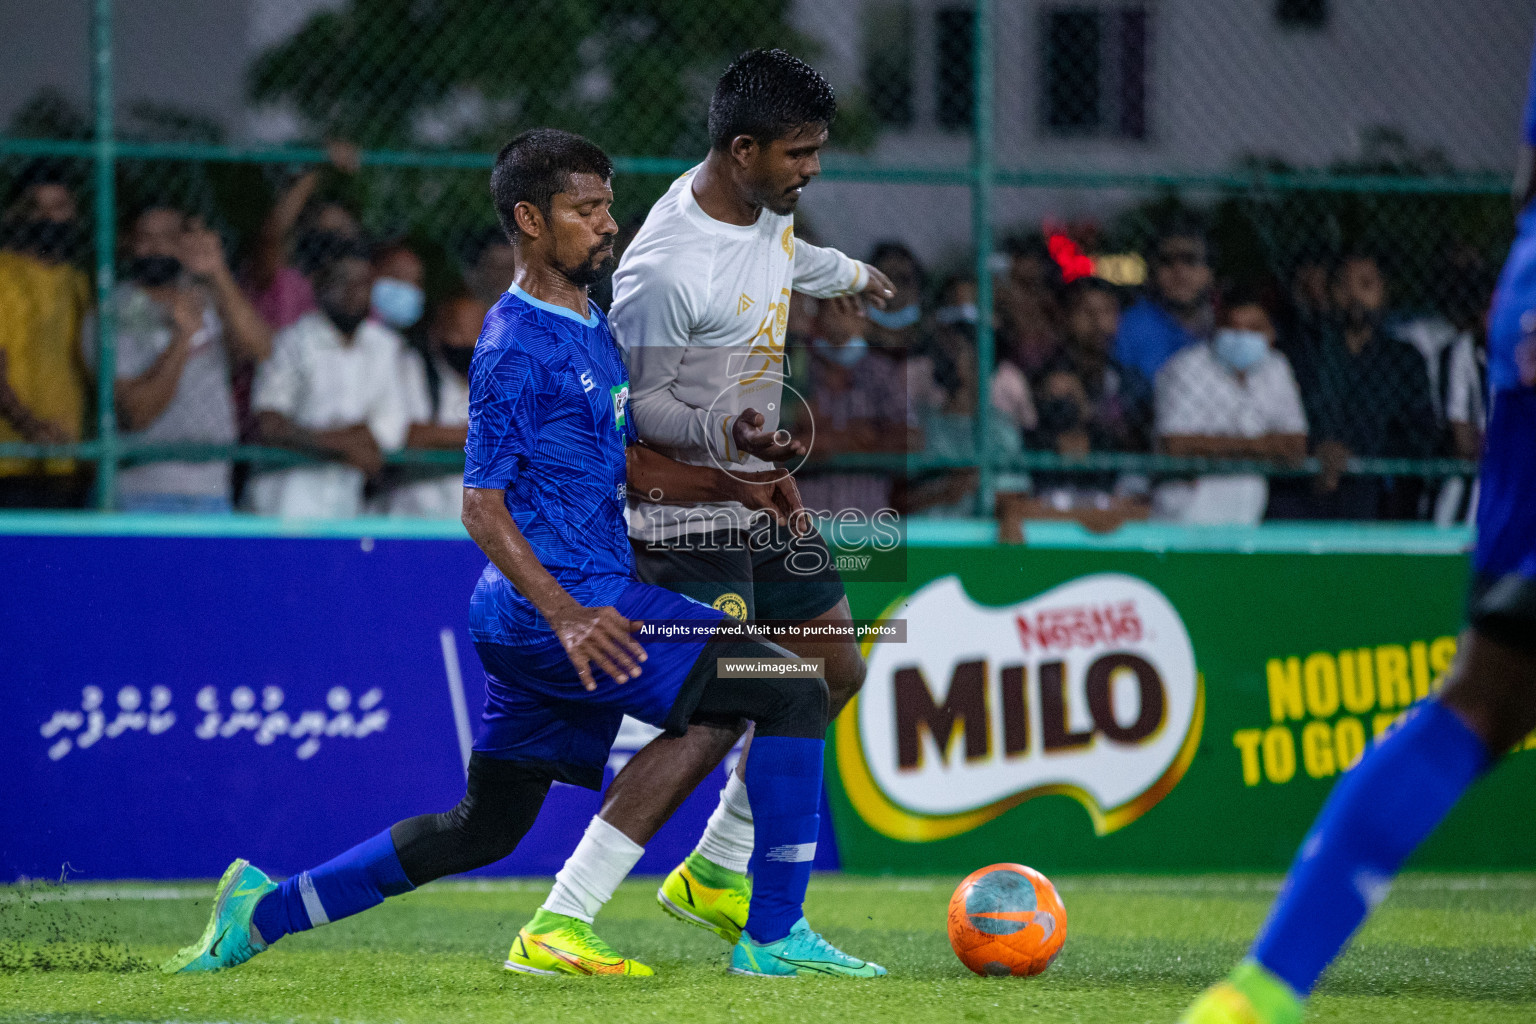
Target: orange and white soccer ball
x=1007 y=919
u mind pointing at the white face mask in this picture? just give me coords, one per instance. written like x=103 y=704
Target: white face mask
x=1240 y=350
x=964 y=313
x=847 y=354
x=896 y=319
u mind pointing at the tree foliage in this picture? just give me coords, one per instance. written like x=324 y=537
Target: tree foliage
x=634 y=75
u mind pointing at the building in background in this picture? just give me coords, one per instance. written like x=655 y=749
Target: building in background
x=1094 y=86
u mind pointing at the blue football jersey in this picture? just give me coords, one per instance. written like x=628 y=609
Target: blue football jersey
x=548 y=423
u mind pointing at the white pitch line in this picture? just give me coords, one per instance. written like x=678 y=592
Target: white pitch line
x=456 y=694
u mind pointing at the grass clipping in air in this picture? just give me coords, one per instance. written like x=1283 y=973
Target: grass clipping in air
x=1449 y=949
x=43 y=929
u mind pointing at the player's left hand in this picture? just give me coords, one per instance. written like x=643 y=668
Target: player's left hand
x=878 y=290
x=747 y=432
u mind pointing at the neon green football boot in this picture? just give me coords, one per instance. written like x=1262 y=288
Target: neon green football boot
x=701 y=892
x=229 y=940
x=553 y=944
x=799 y=954
x=1250 y=995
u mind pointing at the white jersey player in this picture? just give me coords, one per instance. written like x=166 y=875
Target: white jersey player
x=701 y=306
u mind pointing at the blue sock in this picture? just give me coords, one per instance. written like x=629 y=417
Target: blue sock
x=784 y=789
x=356 y=880
x=1376 y=816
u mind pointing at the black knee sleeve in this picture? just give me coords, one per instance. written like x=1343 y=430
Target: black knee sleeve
x=777 y=705
x=1504 y=610
x=501 y=799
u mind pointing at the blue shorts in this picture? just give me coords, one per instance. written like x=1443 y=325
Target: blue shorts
x=537 y=712
x=1506 y=503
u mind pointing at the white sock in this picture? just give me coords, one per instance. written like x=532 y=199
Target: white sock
x=591 y=874
x=727 y=839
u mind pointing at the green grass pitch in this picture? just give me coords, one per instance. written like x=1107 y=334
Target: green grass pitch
x=1444 y=949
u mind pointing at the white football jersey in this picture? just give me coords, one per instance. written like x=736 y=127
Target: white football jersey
x=700 y=308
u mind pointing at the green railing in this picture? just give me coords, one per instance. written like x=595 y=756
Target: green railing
x=979 y=174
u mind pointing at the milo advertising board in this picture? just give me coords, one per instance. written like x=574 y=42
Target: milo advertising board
x=1182 y=711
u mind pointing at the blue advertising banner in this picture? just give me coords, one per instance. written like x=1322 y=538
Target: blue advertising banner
x=170 y=703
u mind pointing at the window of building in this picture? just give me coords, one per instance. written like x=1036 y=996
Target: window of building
x=1302 y=13
x=1094 y=70
x=954 y=69
x=888 y=62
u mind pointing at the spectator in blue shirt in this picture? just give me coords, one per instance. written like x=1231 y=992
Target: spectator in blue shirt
x=1176 y=311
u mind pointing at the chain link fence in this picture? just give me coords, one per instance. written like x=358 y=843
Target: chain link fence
x=1095 y=205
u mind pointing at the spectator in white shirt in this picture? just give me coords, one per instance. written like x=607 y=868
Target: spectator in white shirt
x=332 y=388
x=436 y=393
x=1233 y=397
x=182 y=323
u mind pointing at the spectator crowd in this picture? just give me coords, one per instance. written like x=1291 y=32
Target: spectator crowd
x=321 y=340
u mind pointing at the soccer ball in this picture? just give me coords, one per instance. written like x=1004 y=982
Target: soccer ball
x=1006 y=920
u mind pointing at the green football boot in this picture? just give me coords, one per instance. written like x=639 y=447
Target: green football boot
x=229 y=940
x=800 y=953
x=554 y=944
x=701 y=892
x=1250 y=995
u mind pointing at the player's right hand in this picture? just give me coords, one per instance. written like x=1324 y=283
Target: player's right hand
x=773 y=491
x=747 y=432
x=601 y=637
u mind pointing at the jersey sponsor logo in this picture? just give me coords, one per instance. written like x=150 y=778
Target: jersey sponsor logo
x=732 y=604
x=1088 y=690
x=743 y=304
x=787 y=240
x=619 y=394
x=587 y=383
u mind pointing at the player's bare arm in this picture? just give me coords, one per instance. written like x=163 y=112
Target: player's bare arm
x=654 y=477
x=591 y=636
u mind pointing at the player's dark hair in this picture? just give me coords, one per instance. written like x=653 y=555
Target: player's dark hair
x=536 y=166
x=768 y=95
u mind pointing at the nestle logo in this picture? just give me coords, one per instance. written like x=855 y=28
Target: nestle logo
x=1061 y=629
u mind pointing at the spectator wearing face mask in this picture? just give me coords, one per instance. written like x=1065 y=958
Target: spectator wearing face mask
x=899 y=327
x=273 y=279
x=1232 y=397
x=942 y=387
x=398 y=298
x=44 y=303
x=1367 y=395
x=1087 y=402
x=1086 y=399
x=436 y=392
x=1176 y=311
x=182 y=322
x=332 y=388
x=490 y=272
x=1029 y=327
x=857 y=404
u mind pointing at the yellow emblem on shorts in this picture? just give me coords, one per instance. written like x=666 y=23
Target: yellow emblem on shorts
x=732 y=604
x=787 y=240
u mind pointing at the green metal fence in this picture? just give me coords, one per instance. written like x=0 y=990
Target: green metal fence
x=527 y=59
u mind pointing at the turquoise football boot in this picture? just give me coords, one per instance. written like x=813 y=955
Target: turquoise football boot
x=801 y=952
x=229 y=940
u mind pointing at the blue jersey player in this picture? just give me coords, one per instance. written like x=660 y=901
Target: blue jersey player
x=554 y=618
x=1402 y=789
